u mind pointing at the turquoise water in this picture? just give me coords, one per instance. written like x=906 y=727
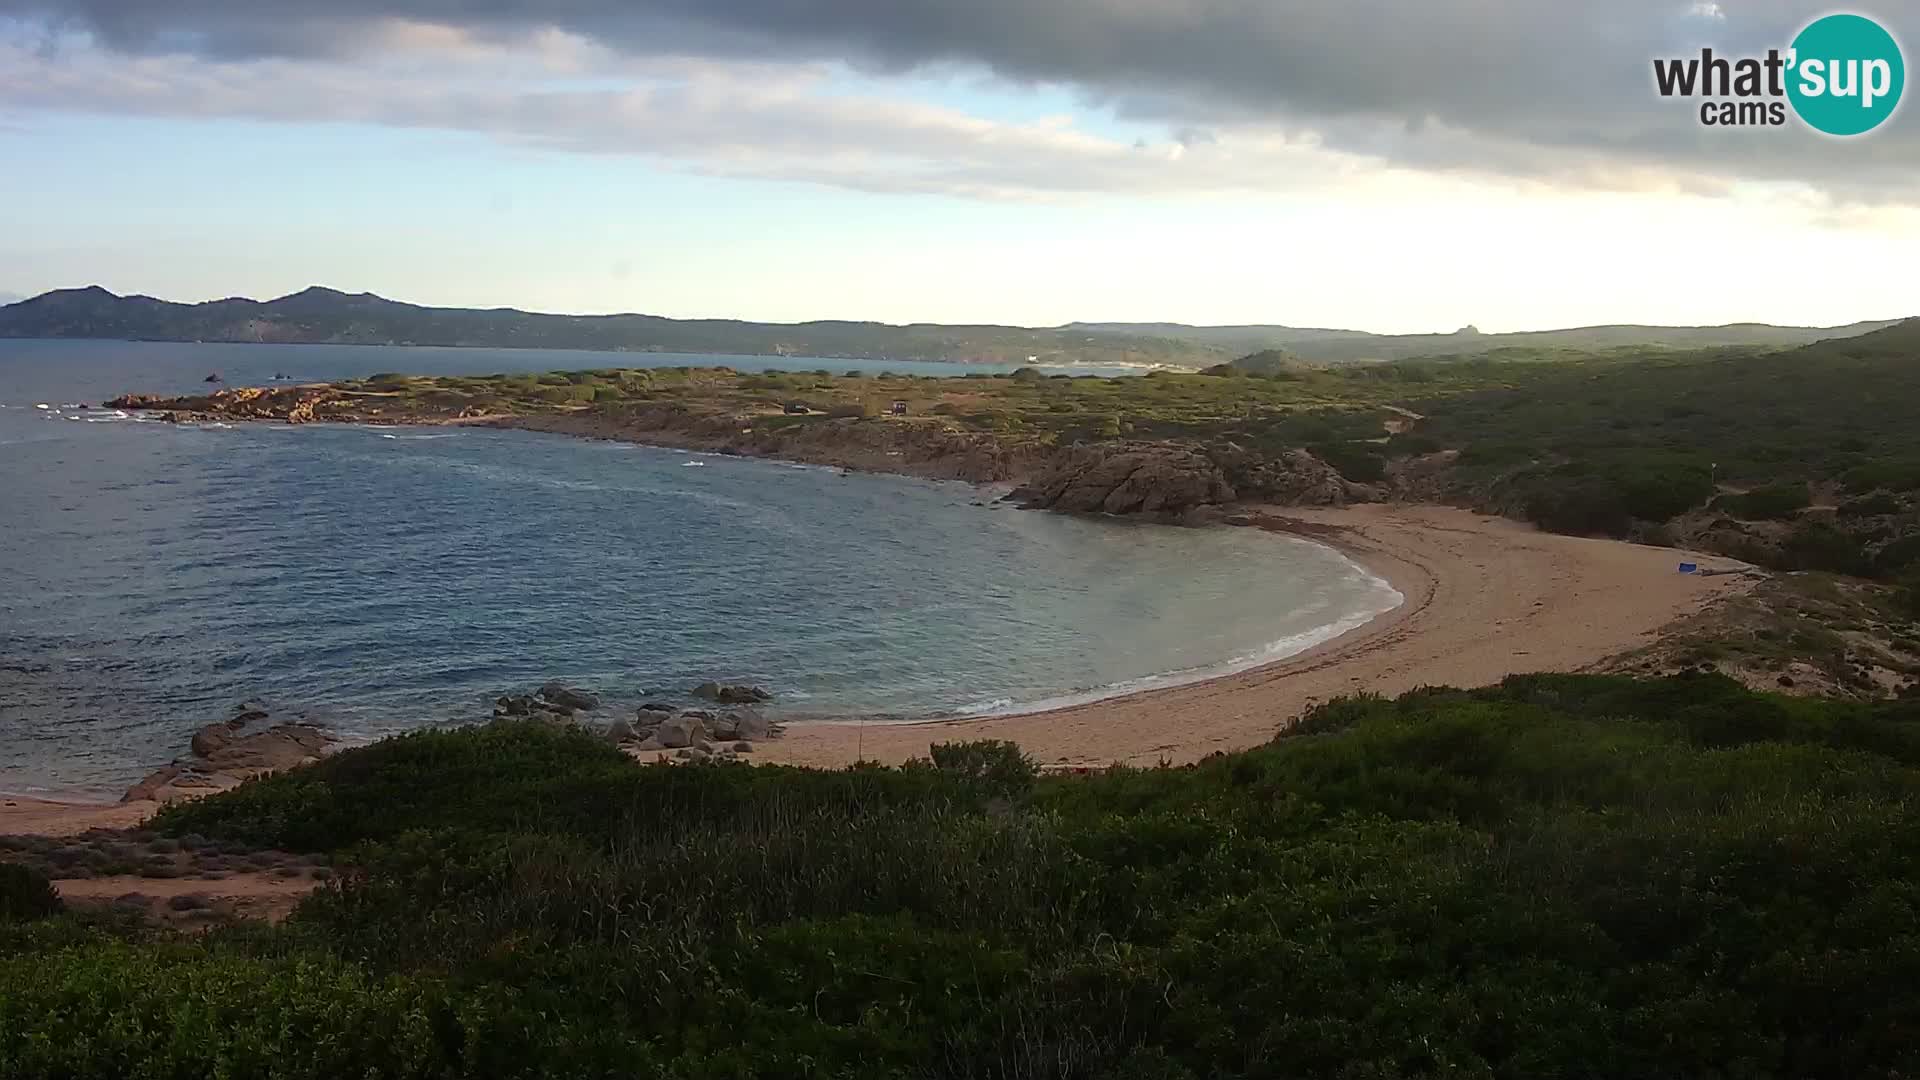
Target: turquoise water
x=378 y=579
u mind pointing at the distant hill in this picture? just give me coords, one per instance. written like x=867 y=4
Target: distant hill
x=1325 y=346
x=330 y=316
x=326 y=315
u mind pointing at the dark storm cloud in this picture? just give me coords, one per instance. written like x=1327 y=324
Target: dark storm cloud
x=1529 y=88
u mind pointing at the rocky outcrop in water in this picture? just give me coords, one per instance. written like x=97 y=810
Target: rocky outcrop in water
x=226 y=752
x=563 y=696
x=732 y=695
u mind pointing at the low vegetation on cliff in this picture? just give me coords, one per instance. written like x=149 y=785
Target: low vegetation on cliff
x=1559 y=876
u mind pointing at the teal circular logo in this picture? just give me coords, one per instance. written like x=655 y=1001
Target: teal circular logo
x=1845 y=74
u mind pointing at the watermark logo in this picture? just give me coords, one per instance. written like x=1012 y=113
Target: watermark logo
x=1842 y=75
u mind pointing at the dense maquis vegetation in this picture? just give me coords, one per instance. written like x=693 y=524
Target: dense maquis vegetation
x=1559 y=876
x=1818 y=439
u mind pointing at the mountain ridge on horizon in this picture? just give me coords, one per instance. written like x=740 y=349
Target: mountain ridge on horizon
x=320 y=314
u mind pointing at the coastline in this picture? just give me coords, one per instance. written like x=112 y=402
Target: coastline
x=1559 y=603
x=1485 y=597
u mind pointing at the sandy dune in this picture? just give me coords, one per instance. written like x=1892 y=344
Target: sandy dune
x=1485 y=598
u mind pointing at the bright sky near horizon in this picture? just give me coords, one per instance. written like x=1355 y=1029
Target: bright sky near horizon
x=1387 y=165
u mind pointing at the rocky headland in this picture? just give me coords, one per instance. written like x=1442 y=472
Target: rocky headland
x=1191 y=481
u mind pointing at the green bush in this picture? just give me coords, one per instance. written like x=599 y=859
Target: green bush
x=1674 y=877
x=1360 y=464
x=1764 y=503
x=994 y=765
x=1907 y=594
x=25 y=893
x=1874 y=505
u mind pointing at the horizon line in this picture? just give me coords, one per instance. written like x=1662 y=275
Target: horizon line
x=1465 y=330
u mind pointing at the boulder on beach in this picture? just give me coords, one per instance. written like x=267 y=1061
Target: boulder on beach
x=223 y=756
x=679 y=731
x=739 y=724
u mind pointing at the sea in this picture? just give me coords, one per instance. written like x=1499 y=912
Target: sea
x=377 y=579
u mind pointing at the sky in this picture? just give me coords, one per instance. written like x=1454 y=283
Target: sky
x=1387 y=165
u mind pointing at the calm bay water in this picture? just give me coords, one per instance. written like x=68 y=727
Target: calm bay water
x=152 y=575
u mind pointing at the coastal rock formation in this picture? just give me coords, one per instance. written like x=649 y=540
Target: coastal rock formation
x=742 y=724
x=555 y=702
x=225 y=753
x=1130 y=478
x=566 y=697
x=1293 y=478
x=679 y=731
x=732 y=695
x=1176 y=480
x=694 y=734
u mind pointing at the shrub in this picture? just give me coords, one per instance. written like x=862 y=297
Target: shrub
x=1874 y=505
x=1676 y=876
x=1765 y=503
x=1412 y=444
x=25 y=893
x=1817 y=545
x=1907 y=595
x=997 y=766
x=1362 y=465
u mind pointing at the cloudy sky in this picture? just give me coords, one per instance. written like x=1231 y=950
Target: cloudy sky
x=1394 y=165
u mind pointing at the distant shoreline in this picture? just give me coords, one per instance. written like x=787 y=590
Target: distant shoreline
x=806 y=361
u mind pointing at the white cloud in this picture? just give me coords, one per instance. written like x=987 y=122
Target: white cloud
x=1545 y=92
x=558 y=91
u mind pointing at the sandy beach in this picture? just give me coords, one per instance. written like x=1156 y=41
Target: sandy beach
x=1486 y=597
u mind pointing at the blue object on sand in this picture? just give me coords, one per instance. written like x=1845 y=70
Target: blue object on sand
x=1688 y=568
